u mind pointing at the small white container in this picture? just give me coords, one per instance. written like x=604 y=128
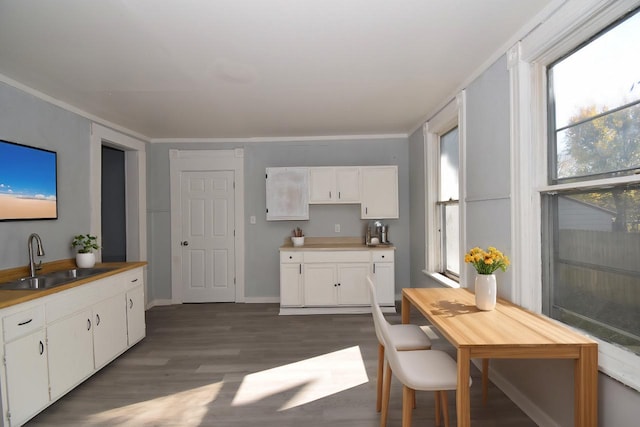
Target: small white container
x=297 y=241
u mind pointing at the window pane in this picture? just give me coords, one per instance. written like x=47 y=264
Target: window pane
x=449 y=165
x=603 y=74
x=607 y=145
x=593 y=277
x=451 y=241
x=594 y=97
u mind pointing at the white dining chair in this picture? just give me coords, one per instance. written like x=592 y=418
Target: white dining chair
x=407 y=337
x=424 y=370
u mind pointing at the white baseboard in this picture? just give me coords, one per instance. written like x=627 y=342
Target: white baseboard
x=158 y=302
x=286 y=311
x=262 y=300
x=534 y=412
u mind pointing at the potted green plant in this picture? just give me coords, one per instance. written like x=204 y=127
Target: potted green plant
x=85 y=244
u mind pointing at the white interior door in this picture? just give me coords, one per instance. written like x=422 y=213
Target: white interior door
x=208 y=250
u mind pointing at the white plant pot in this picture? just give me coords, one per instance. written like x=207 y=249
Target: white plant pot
x=86 y=260
x=297 y=241
x=486 y=291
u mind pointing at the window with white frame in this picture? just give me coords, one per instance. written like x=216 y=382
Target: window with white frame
x=448 y=204
x=444 y=141
x=591 y=207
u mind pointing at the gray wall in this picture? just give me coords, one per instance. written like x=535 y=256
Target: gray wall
x=417 y=208
x=264 y=237
x=28 y=120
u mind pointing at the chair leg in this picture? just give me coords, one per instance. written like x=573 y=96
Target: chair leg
x=445 y=408
x=386 y=390
x=407 y=396
x=413 y=404
x=380 y=375
x=437 y=398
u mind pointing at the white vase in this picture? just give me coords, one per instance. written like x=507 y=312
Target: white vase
x=486 y=291
x=85 y=260
x=297 y=241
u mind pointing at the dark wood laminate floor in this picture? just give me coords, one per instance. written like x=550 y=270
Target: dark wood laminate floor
x=243 y=365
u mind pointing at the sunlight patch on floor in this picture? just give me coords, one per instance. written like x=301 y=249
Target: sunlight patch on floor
x=189 y=406
x=317 y=377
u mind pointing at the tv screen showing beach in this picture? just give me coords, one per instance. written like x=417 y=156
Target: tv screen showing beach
x=28 y=183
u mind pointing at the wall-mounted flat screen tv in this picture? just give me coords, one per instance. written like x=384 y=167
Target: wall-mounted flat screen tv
x=28 y=182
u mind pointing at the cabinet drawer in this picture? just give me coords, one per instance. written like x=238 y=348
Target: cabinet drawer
x=133 y=278
x=337 y=256
x=22 y=323
x=381 y=256
x=290 y=257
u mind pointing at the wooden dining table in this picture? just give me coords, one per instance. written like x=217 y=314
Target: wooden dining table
x=507 y=332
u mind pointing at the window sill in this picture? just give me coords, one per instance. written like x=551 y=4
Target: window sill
x=442 y=279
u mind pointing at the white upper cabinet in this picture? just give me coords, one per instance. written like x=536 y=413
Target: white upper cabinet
x=287 y=194
x=334 y=185
x=379 y=192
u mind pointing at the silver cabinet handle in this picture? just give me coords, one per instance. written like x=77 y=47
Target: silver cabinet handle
x=97 y=319
x=41 y=348
x=25 y=322
x=130 y=303
x=88 y=324
x=184 y=243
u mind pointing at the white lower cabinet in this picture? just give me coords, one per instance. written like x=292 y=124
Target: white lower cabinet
x=86 y=327
x=109 y=330
x=384 y=276
x=27 y=378
x=291 y=279
x=320 y=285
x=333 y=281
x=70 y=345
x=136 y=326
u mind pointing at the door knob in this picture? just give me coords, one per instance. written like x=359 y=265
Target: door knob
x=184 y=243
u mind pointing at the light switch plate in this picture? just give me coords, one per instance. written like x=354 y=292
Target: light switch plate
x=337 y=228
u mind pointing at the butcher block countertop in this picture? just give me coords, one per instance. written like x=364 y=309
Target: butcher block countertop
x=13 y=297
x=333 y=244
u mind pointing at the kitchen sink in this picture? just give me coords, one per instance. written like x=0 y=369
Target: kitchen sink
x=53 y=279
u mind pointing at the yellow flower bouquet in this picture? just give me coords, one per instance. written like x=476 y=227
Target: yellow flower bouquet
x=486 y=262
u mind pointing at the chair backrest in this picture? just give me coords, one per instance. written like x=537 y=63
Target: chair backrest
x=382 y=327
x=379 y=321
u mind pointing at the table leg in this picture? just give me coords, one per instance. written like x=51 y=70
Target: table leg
x=586 y=387
x=485 y=381
x=405 y=309
x=463 y=394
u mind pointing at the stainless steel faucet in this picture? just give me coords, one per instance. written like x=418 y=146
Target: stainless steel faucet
x=32 y=262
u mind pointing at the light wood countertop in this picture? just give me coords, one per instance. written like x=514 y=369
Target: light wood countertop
x=333 y=244
x=13 y=297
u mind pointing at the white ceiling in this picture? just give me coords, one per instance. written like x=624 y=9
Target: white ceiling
x=255 y=68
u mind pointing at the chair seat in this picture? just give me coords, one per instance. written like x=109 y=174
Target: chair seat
x=426 y=370
x=408 y=337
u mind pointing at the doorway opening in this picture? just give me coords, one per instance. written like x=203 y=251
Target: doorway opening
x=113 y=205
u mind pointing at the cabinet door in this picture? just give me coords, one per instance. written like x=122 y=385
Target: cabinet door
x=287 y=193
x=320 y=284
x=70 y=348
x=109 y=331
x=384 y=280
x=322 y=185
x=379 y=192
x=136 y=327
x=352 y=285
x=348 y=185
x=27 y=379
x=291 y=285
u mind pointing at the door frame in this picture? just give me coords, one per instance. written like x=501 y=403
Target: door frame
x=205 y=160
x=136 y=184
